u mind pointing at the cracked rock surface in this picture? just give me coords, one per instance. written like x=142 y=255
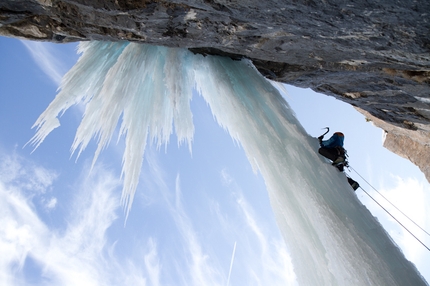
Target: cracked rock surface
x=374 y=55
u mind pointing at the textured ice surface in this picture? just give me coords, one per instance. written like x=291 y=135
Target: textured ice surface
x=332 y=237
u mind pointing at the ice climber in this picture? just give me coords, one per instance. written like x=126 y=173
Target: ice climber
x=333 y=150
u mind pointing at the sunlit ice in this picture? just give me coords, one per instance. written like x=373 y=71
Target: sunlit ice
x=331 y=236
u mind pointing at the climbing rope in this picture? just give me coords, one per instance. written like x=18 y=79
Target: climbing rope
x=389 y=212
x=390 y=202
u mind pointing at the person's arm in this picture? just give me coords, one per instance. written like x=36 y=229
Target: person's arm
x=328 y=143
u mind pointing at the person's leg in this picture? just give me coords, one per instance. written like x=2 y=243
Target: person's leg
x=353 y=184
x=329 y=153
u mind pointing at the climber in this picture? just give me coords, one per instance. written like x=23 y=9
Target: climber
x=333 y=150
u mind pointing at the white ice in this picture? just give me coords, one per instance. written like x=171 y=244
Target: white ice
x=332 y=238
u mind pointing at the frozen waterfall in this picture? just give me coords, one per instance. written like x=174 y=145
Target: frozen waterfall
x=332 y=238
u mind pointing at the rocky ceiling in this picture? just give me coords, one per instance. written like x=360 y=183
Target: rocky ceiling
x=374 y=55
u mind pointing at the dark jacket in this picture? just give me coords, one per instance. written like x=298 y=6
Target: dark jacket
x=335 y=141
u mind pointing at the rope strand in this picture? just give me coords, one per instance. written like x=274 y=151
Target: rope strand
x=390 y=213
x=390 y=202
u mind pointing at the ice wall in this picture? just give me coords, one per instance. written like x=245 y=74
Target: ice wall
x=332 y=238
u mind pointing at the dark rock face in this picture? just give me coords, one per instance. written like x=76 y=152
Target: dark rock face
x=372 y=54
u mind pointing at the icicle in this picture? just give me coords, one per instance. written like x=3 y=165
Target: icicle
x=149 y=102
x=78 y=85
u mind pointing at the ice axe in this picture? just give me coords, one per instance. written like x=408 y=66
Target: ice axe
x=322 y=136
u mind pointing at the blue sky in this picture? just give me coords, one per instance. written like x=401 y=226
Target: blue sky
x=200 y=218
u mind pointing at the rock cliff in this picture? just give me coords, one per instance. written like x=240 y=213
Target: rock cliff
x=371 y=54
